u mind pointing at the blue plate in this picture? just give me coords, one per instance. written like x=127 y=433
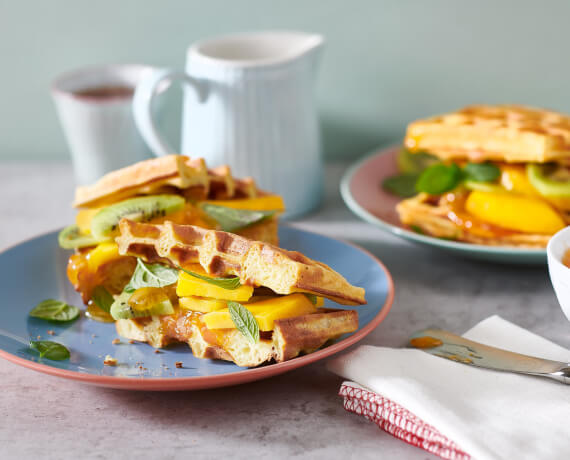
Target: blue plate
x=35 y=270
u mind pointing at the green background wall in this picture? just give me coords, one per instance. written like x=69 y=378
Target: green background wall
x=386 y=61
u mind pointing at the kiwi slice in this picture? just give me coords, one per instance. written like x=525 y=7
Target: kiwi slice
x=141 y=209
x=549 y=179
x=123 y=309
x=72 y=238
x=414 y=163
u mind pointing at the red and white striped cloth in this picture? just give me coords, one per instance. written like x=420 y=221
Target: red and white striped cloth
x=457 y=411
x=398 y=421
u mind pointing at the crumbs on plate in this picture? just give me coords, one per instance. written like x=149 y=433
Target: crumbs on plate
x=110 y=361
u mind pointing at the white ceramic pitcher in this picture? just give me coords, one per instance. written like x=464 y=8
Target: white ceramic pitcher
x=249 y=102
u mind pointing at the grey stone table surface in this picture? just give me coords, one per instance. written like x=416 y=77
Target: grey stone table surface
x=297 y=414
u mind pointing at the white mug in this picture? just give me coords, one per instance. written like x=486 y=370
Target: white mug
x=249 y=103
x=95 y=109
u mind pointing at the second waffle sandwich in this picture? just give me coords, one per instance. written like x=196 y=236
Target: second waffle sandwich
x=492 y=175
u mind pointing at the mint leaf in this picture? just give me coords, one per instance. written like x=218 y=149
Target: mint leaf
x=403 y=185
x=414 y=163
x=244 y=321
x=231 y=219
x=481 y=172
x=224 y=283
x=155 y=275
x=438 y=179
x=102 y=298
x=55 y=310
x=50 y=350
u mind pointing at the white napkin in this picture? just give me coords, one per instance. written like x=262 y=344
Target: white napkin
x=488 y=414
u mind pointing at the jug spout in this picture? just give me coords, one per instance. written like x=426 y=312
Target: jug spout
x=302 y=44
x=256 y=49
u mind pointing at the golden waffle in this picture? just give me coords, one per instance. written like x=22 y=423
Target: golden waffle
x=225 y=254
x=222 y=185
x=291 y=337
x=172 y=173
x=507 y=133
x=433 y=219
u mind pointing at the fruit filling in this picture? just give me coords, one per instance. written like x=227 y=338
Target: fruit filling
x=265 y=312
x=208 y=301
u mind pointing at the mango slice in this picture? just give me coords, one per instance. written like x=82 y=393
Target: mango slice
x=261 y=203
x=265 y=312
x=514 y=212
x=514 y=178
x=559 y=202
x=189 y=285
x=103 y=253
x=83 y=219
x=201 y=304
x=258 y=298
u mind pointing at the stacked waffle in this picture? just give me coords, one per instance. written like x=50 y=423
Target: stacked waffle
x=175 y=188
x=154 y=253
x=497 y=175
x=282 y=290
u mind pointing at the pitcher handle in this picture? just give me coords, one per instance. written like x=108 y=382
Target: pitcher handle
x=143 y=98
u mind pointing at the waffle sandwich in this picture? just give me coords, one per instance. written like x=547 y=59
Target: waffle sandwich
x=280 y=293
x=175 y=188
x=174 y=252
x=498 y=175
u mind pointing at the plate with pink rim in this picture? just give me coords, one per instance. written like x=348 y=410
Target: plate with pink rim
x=361 y=190
x=34 y=270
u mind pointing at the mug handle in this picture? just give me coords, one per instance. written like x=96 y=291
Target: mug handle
x=145 y=93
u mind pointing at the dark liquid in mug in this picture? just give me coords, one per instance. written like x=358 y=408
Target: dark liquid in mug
x=106 y=92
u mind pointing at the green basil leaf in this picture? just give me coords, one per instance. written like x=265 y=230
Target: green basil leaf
x=224 y=283
x=155 y=275
x=102 y=298
x=50 y=350
x=403 y=185
x=482 y=172
x=244 y=321
x=438 y=179
x=231 y=219
x=55 y=310
x=417 y=229
x=311 y=297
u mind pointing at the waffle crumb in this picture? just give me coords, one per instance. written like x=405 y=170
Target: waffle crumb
x=110 y=361
x=116 y=342
x=50 y=332
x=157 y=351
x=178 y=364
x=131 y=341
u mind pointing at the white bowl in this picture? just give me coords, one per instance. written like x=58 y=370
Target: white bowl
x=560 y=273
